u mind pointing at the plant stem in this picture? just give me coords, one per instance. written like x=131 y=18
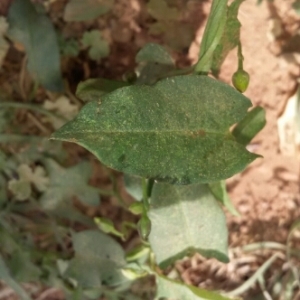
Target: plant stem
x=240 y=57
x=145 y=194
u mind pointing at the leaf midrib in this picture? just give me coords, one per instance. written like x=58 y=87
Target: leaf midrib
x=184 y=132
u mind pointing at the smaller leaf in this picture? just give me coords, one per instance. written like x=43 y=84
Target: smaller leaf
x=98 y=47
x=252 y=123
x=22 y=268
x=144 y=226
x=37 y=177
x=230 y=37
x=133 y=186
x=68 y=47
x=78 y=10
x=107 y=226
x=99 y=253
x=36 y=32
x=160 y=10
x=212 y=35
x=296 y=6
x=7 y=278
x=154 y=53
x=93 y=89
x=136 y=208
x=218 y=189
x=171 y=289
x=20 y=188
x=64 y=185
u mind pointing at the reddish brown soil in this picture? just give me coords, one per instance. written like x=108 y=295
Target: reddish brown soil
x=267 y=193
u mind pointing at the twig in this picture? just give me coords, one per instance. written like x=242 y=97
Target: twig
x=44 y=295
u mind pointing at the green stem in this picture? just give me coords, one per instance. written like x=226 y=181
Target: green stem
x=145 y=194
x=240 y=57
x=36 y=108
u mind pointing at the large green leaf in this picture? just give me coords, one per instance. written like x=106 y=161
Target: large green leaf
x=78 y=10
x=35 y=31
x=171 y=289
x=98 y=260
x=230 y=37
x=175 y=131
x=184 y=220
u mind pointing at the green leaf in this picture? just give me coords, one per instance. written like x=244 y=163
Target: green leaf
x=176 y=131
x=68 y=47
x=155 y=53
x=107 y=226
x=133 y=186
x=65 y=184
x=171 y=289
x=296 y=6
x=230 y=37
x=93 y=89
x=218 y=189
x=212 y=35
x=35 y=31
x=98 y=47
x=185 y=220
x=21 y=189
x=154 y=61
x=7 y=278
x=78 y=10
x=160 y=10
x=98 y=260
x=247 y=128
x=22 y=268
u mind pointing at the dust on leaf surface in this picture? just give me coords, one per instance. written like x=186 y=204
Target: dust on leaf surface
x=167 y=131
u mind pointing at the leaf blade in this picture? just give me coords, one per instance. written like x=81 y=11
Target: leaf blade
x=192 y=221
x=148 y=130
x=36 y=32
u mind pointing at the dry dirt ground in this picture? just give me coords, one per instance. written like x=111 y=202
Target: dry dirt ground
x=267 y=193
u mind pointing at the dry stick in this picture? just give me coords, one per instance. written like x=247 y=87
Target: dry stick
x=38 y=123
x=44 y=295
x=259 y=273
